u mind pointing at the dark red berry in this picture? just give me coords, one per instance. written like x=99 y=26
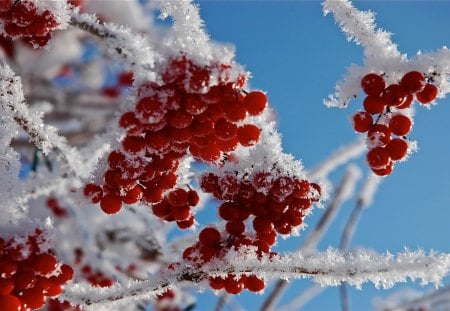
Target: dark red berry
x=374 y=104
x=372 y=84
x=413 y=82
x=397 y=149
x=400 y=125
x=255 y=102
x=428 y=94
x=362 y=121
x=378 y=158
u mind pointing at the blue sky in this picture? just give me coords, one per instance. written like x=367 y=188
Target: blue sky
x=296 y=55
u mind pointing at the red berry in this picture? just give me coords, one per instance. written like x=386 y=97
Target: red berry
x=194 y=105
x=407 y=103
x=130 y=122
x=211 y=153
x=133 y=195
x=33 y=298
x=397 y=149
x=229 y=211
x=400 y=125
x=111 y=204
x=282 y=187
x=255 y=102
x=224 y=129
x=6 y=5
x=262 y=224
x=157 y=141
x=394 y=95
x=413 y=82
x=235 y=111
x=193 y=198
x=384 y=171
x=253 y=283
x=151 y=109
x=10 y=303
x=178 y=197
x=372 y=84
x=301 y=188
x=235 y=227
x=133 y=144
x=248 y=135
x=179 y=119
x=428 y=94
x=227 y=145
x=233 y=286
x=6 y=287
x=378 y=135
x=362 y=121
x=24 y=279
x=209 y=236
x=209 y=182
x=125 y=78
x=45 y=264
x=378 y=158
x=7 y=267
x=373 y=104
x=23 y=13
x=202 y=129
x=180 y=135
x=262 y=181
x=184 y=224
x=94 y=192
x=180 y=213
x=216 y=283
x=229 y=186
x=66 y=274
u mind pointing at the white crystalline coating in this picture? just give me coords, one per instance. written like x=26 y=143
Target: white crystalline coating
x=380 y=55
x=329 y=268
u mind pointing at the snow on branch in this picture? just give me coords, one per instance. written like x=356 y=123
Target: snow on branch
x=44 y=137
x=135 y=49
x=380 y=55
x=360 y=27
x=329 y=268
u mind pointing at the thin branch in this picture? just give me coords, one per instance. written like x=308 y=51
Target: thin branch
x=328 y=268
x=365 y=198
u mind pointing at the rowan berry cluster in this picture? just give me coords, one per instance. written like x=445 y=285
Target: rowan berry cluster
x=28 y=275
x=22 y=19
x=277 y=204
x=194 y=109
x=390 y=104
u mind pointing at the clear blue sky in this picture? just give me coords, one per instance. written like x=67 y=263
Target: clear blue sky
x=296 y=55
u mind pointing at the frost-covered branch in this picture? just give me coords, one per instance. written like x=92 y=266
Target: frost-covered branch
x=329 y=268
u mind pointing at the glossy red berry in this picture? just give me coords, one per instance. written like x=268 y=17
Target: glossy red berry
x=248 y=135
x=378 y=135
x=133 y=195
x=378 y=158
x=178 y=197
x=93 y=192
x=372 y=84
x=44 y=264
x=111 y=204
x=253 y=283
x=209 y=236
x=216 y=283
x=407 y=103
x=23 y=13
x=397 y=149
x=400 y=125
x=394 y=95
x=374 y=104
x=224 y=129
x=233 y=286
x=428 y=94
x=385 y=170
x=6 y=286
x=10 y=303
x=151 y=109
x=130 y=122
x=413 y=82
x=362 y=121
x=255 y=102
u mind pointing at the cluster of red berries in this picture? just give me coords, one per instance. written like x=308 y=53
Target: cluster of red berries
x=22 y=19
x=278 y=205
x=171 y=119
x=28 y=275
x=389 y=103
x=53 y=205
